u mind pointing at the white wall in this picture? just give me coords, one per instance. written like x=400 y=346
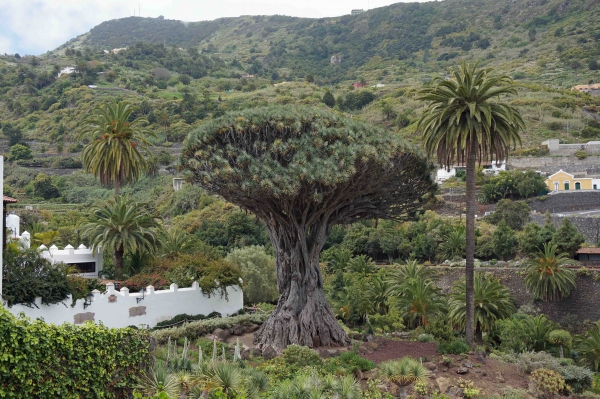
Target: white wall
x=120 y=309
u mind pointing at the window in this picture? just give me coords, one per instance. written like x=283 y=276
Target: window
x=556 y=185
x=595 y=187
x=577 y=186
x=567 y=185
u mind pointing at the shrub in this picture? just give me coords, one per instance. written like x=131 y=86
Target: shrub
x=456 y=347
x=425 y=338
x=181 y=317
x=301 y=356
x=42 y=360
x=258 y=273
x=547 y=382
x=19 y=151
x=581 y=154
x=143 y=280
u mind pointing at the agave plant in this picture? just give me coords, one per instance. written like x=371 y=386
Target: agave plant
x=493 y=301
x=403 y=373
x=157 y=381
x=548 y=278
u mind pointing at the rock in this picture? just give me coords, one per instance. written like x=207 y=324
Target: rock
x=252 y=328
x=256 y=352
x=462 y=370
x=455 y=392
x=220 y=334
x=269 y=353
x=480 y=356
x=357 y=337
x=498 y=376
x=368 y=338
x=430 y=366
x=467 y=364
x=443 y=384
x=245 y=354
x=370 y=345
x=238 y=329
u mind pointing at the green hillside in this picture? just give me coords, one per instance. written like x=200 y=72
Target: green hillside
x=180 y=75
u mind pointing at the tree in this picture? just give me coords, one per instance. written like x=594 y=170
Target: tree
x=453 y=245
x=258 y=273
x=329 y=99
x=493 y=300
x=588 y=345
x=567 y=239
x=302 y=171
x=114 y=154
x=121 y=225
x=561 y=338
x=19 y=151
x=530 y=239
x=12 y=133
x=530 y=184
x=548 y=278
x=43 y=187
x=403 y=373
x=466 y=122
x=504 y=241
x=514 y=213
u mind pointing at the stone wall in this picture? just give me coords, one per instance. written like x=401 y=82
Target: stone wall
x=554 y=164
x=567 y=202
x=583 y=303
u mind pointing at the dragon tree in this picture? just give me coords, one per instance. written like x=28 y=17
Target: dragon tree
x=302 y=170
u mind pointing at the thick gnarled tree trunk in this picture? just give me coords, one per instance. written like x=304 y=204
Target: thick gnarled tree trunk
x=303 y=315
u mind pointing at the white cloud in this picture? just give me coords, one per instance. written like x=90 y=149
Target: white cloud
x=35 y=26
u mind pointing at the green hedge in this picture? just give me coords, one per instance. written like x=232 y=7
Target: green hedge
x=197 y=329
x=38 y=360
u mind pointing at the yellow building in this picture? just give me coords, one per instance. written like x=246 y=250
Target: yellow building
x=563 y=181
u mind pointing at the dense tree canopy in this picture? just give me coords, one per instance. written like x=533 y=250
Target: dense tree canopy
x=301 y=171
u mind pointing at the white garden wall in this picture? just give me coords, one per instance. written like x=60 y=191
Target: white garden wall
x=121 y=309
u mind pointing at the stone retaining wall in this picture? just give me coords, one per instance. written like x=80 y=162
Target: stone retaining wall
x=567 y=202
x=554 y=164
x=583 y=303
x=589 y=227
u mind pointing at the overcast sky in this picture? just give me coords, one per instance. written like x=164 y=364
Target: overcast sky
x=36 y=26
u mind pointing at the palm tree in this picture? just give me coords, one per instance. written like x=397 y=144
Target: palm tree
x=453 y=245
x=123 y=226
x=420 y=300
x=114 y=154
x=493 y=302
x=548 y=278
x=403 y=373
x=588 y=345
x=466 y=122
x=175 y=242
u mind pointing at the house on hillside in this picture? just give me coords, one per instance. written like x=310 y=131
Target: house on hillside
x=563 y=181
x=358 y=85
x=593 y=89
x=586 y=255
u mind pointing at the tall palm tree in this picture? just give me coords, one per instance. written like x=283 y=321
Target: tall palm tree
x=466 y=122
x=121 y=225
x=116 y=153
x=548 y=277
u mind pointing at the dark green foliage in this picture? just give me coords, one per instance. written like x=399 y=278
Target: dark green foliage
x=514 y=213
x=504 y=241
x=567 y=238
x=41 y=360
x=513 y=184
x=185 y=317
x=26 y=275
x=349 y=361
x=357 y=100
x=19 y=152
x=12 y=133
x=328 y=99
x=43 y=187
x=456 y=347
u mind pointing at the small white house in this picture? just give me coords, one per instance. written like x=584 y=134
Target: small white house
x=66 y=71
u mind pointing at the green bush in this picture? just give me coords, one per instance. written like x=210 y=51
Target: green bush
x=301 y=356
x=581 y=154
x=426 y=338
x=457 y=347
x=258 y=273
x=19 y=151
x=181 y=317
x=548 y=382
x=42 y=360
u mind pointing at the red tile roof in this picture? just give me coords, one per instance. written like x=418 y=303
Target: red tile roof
x=9 y=200
x=588 y=251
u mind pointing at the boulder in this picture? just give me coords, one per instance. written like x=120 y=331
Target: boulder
x=498 y=377
x=430 y=366
x=329 y=353
x=238 y=329
x=269 y=353
x=443 y=383
x=220 y=334
x=357 y=336
x=252 y=328
x=462 y=370
x=467 y=364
